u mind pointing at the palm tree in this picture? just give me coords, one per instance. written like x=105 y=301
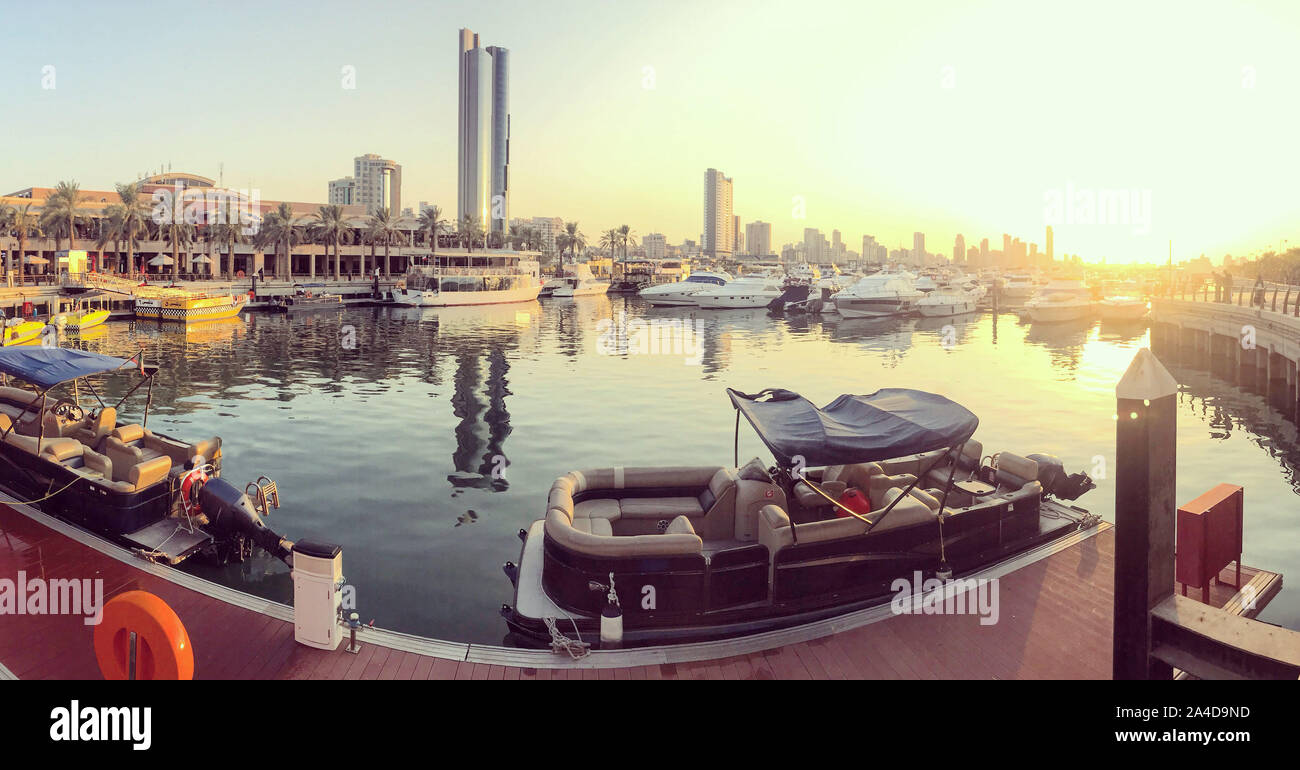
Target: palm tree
x=471 y=231
x=609 y=240
x=279 y=230
x=384 y=228
x=135 y=219
x=432 y=225
x=331 y=227
x=227 y=232
x=110 y=231
x=176 y=230
x=574 y=239
x=60 y=213
x=23 y=224
x=626 y=237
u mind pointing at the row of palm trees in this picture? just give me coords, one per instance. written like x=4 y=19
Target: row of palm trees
x=130 y=220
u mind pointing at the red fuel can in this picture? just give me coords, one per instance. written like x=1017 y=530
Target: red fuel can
x=856 y=501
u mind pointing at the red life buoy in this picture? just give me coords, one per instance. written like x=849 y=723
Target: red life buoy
x=190 y=500
x=162 y=645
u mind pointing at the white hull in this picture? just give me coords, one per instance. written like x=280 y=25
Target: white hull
x=1122 y=312
x=947 y=309
x=1057 y=313
x=416 y=298
x=849 y=308
x=581 y=291
x=671 y=298
x=737 y=302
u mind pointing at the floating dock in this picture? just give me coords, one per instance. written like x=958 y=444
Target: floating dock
x=1055 y=608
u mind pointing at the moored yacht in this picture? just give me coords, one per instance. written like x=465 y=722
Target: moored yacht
x=682 y=292
x=483 y=278
x=877 y=296
x=894 y=484
x=947 y=301
x=579 y=283
x=1017 y=288
x=744 y=292
x=1060 y=300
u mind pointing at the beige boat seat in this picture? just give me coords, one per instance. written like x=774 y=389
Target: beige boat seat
x=1015 y=472
x=129 y=464
x=967 y=465
x=94 y=428
x=869 y=477
x=151 y=445
x=592 y=533
x=775 y=533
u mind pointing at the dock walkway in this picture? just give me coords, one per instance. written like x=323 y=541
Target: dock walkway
x=1054 y=622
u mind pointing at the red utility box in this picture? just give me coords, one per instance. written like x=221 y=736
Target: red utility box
x=1209 y=538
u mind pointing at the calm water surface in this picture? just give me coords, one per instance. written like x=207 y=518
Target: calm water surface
x=388 y=446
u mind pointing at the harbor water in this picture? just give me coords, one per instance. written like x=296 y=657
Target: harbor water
x=422 y=440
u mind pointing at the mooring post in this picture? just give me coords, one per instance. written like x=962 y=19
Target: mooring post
x=1145 y=438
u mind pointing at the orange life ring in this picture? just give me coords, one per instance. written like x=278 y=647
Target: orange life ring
x=308 y=295
x=162 y=646
x=191 y=503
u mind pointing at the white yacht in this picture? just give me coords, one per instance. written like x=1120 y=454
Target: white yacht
x=1060 y=300
x=878 y=296
x=744 y=292
x=1017 y=288
x=947 y=301
x=682 y=292
x=469 y=278
x=579 y=282
x=1124 y=304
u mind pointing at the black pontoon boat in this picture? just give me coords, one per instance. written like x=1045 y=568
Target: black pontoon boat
x=161 y=496
x=864 y=491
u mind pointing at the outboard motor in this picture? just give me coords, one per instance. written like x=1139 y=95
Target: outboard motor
x=797 y=293
x=1051 y=474
x=231 y=513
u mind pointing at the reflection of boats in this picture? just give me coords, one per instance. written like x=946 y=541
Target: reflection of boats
x=682 y=292
x=486 y=278
x=898 y=485
x=189 y=308
x=878 y=295
x=159 y=495
x=307 y=302
x=744 y=292
x=1061 y=300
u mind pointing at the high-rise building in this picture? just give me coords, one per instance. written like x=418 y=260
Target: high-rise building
x=959 y=249
x=718 y=240
x=656 y=245
x=343 y=192
x=918 y=249
x=737 y=236
x=984 y=253
x=483 y=155
x=379 y=183
x=873 y=252
x=758 y=238
x=1050 y=253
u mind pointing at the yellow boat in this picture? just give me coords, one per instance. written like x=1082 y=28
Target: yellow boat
x=188 y=308
x=81 y=320
x=18 y=332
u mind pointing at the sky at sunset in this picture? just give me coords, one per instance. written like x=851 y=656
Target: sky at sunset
x=882 y=118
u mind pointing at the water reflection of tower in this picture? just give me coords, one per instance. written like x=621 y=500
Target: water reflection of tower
x=480 y=435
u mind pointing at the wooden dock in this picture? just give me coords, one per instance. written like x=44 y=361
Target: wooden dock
x=1055 y=622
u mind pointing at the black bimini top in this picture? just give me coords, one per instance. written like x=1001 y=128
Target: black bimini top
x=47 y=367
x=892 y=422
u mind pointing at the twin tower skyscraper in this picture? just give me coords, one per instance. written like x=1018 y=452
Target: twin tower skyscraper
x=483 y=169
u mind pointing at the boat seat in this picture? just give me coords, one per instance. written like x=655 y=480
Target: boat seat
x=594 y=526
x=95 y=427
x=774 y=527
x=659 y=507
x=589 y=535
x=1014 y=472
x=151 y=445
x=967 y=465
x=129 y=463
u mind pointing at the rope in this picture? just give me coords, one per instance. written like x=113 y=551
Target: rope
x=52 y=494
x=561 y=643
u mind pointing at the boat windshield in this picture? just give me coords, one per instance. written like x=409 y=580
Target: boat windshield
x=713 y=279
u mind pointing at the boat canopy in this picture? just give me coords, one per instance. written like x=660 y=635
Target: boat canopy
x=892 y=422
x=47 y=367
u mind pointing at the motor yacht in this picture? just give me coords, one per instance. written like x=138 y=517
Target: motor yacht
x=947 y=301
x=681 y=293
x=863 y=492
x=1060 y=300
x=470 y=278
x=744 y=292
x=1017 y=288
x=877 y=296
x=579 y=283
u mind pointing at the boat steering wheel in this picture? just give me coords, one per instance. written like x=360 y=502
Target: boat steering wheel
x=69 y=411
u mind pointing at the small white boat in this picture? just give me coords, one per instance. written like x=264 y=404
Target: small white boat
x=946 y=302
x=1122 y=308
x=744 y=292
x=681 y=293
x=1060 y=300
x=1017 y=288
